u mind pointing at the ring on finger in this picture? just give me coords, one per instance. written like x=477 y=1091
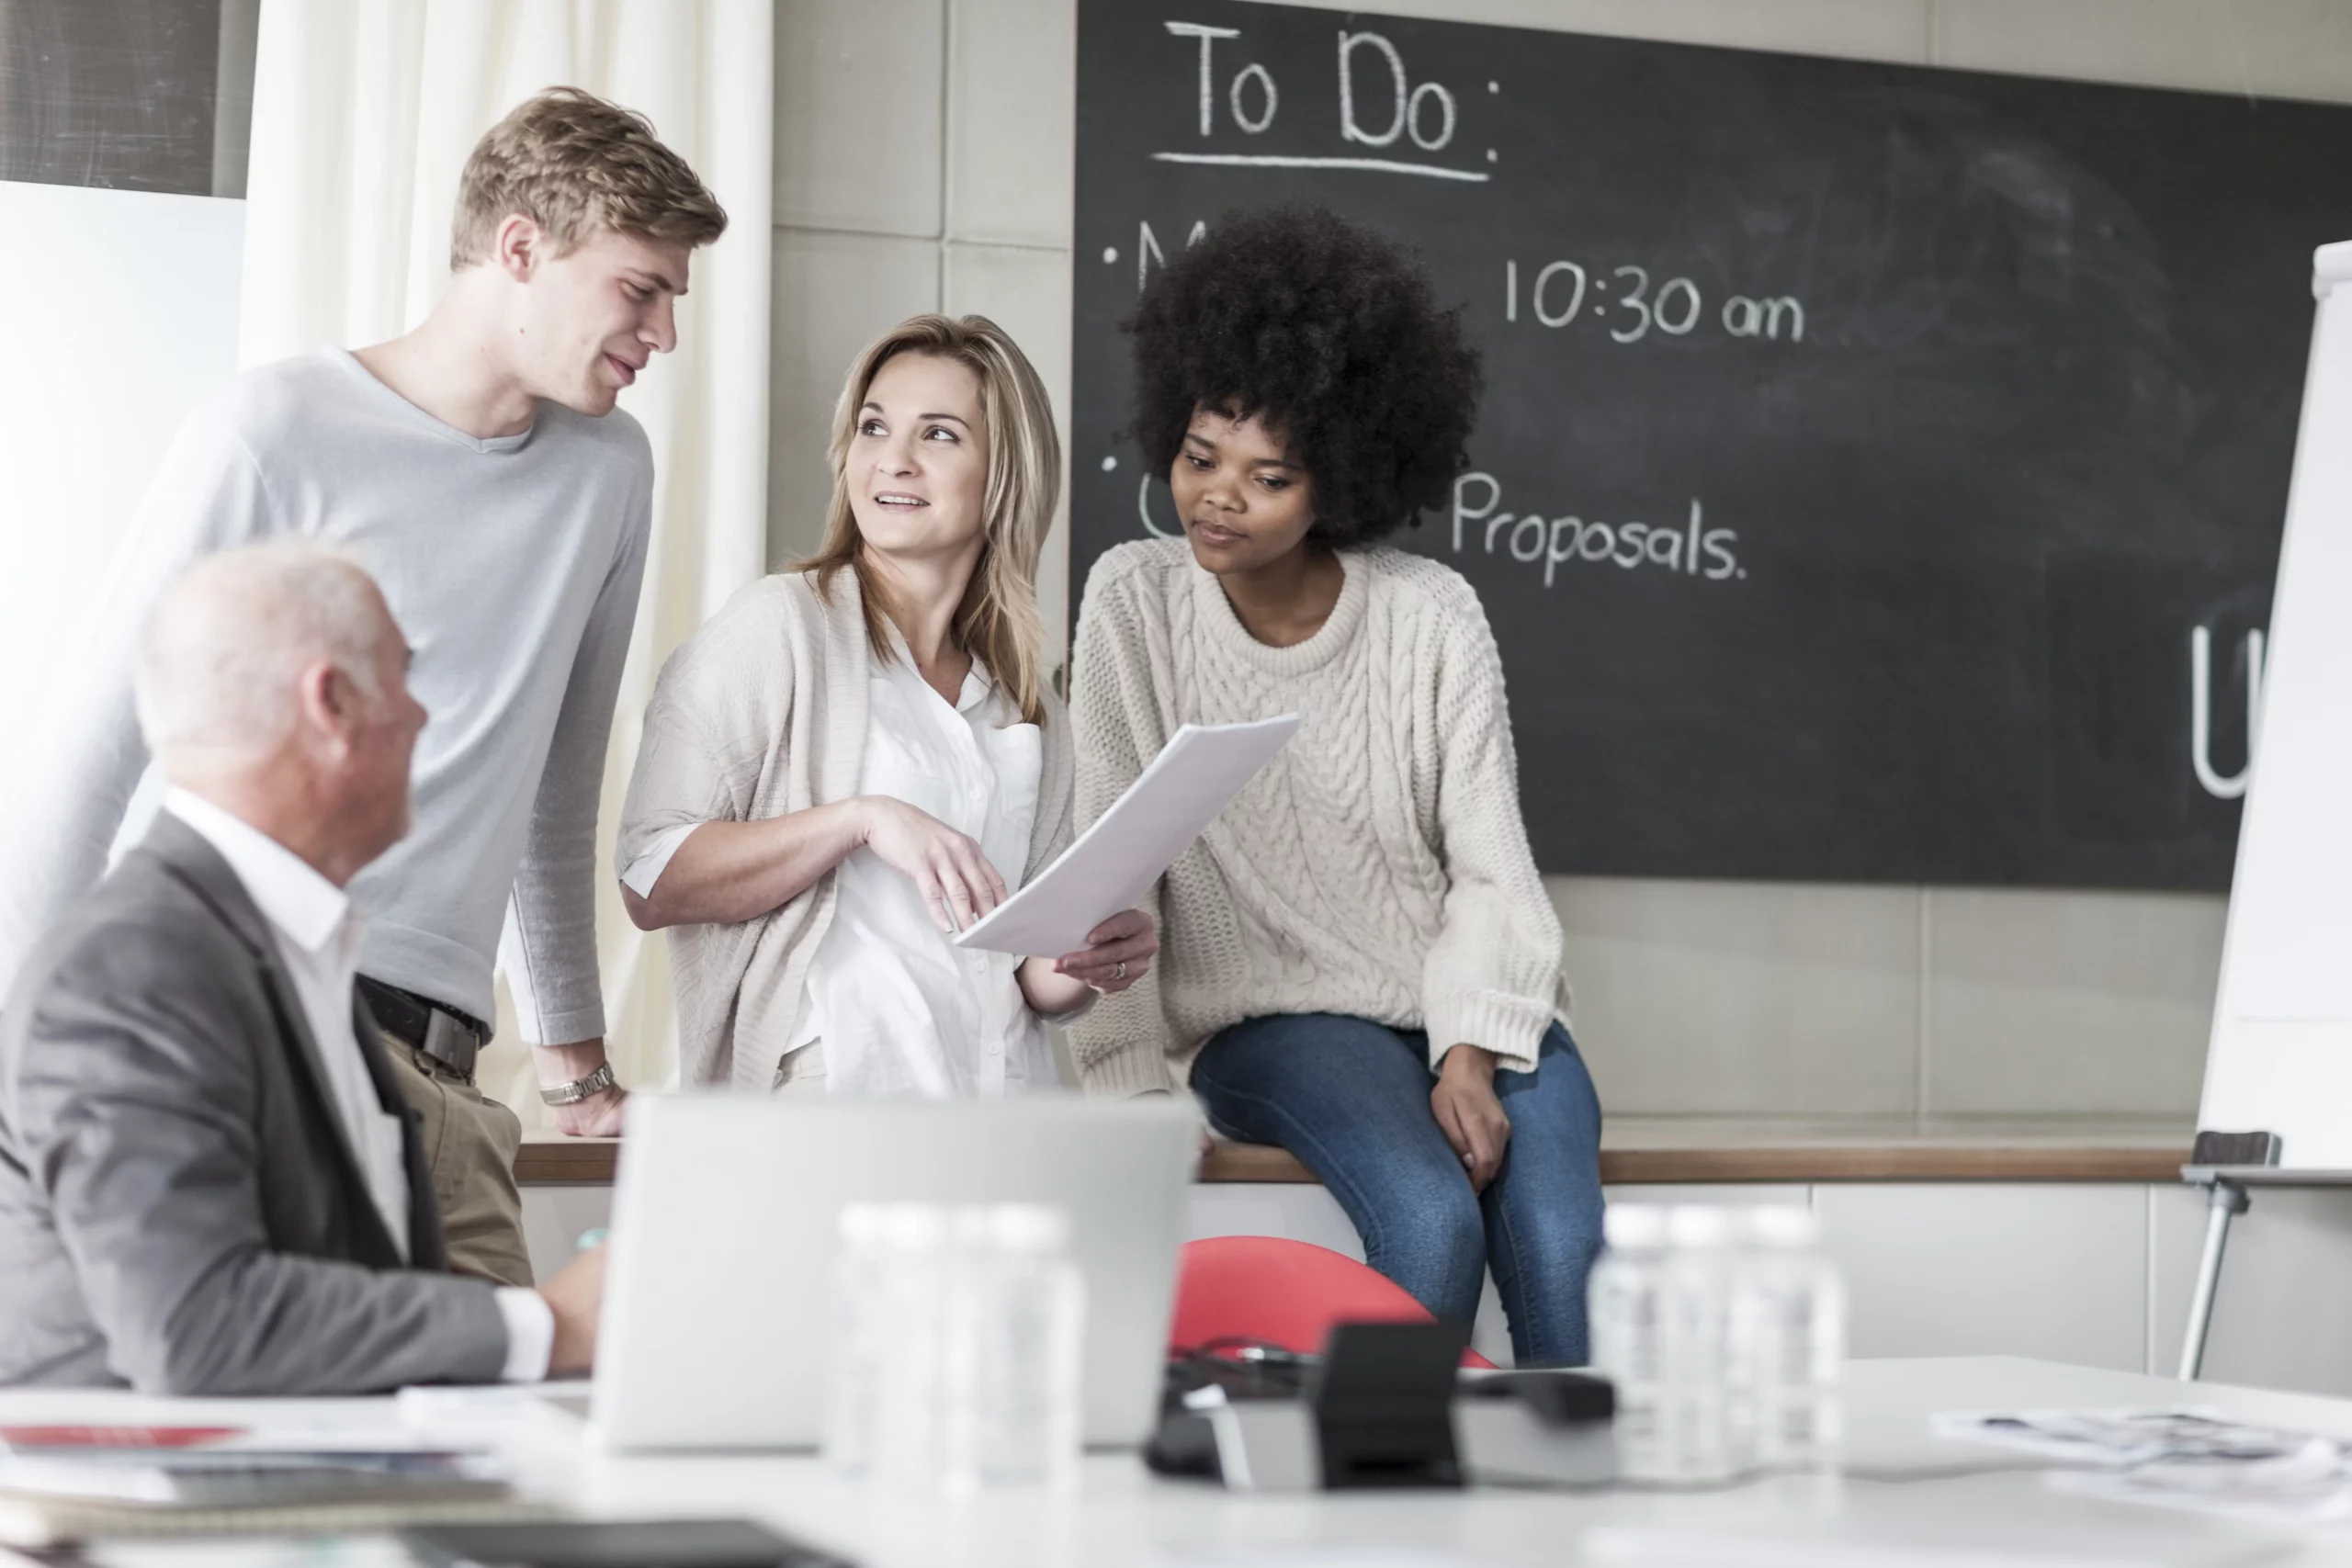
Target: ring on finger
x=1121 y=972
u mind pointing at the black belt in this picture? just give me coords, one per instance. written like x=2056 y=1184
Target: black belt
x=451 y=1038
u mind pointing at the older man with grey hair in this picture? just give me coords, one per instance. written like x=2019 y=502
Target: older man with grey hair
x=210 y=1180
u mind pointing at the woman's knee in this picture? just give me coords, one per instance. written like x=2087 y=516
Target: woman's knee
x=1434 y=1215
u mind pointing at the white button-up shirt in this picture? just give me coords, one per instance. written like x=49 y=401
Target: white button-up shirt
x=317 y=930
x=901 y=1010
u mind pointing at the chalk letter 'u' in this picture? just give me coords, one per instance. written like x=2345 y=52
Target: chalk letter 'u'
x=2200 y=712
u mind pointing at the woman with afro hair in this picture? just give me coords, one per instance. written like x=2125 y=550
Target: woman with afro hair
x=1358 y=960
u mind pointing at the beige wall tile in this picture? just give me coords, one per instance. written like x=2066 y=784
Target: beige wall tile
x=1026 y=292
x=2283 y=48
x=1867 y=29
x=2055 y=1271
x=858 y=86
x=1744 y=999
x=1012 y=89
x=2049 y=1002
x=835 y=293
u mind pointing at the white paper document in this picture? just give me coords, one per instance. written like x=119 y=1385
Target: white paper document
x=2183 y=1457
x=1196 y=774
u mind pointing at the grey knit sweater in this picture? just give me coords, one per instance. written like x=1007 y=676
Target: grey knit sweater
x=1378 y=866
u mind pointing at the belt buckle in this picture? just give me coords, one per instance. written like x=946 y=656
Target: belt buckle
x=450 y=1042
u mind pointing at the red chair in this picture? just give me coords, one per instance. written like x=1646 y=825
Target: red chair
x=1284 y=1292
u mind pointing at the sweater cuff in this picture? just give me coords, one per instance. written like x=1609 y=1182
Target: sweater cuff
x=1510 y=1026
x=1124 y=1071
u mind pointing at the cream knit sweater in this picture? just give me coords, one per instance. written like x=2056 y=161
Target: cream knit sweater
x=1378 y=866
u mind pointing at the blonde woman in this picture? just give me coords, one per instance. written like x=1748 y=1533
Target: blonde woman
x=859 y=757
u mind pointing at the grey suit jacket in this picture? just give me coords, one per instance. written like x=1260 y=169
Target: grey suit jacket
x=179 y=1207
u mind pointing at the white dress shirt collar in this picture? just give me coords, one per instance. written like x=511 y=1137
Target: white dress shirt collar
x=977 y=683
x=289 y=891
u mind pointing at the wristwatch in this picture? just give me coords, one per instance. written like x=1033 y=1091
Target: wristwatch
x=578 y=1090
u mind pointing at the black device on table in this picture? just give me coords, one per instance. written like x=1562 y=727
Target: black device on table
x=621 y=1543
x=1380 y=1397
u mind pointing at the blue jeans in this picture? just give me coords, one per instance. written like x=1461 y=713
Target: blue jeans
x=1351 y=1099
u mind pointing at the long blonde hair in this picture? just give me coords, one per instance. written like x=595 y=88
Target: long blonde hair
x=998 y=621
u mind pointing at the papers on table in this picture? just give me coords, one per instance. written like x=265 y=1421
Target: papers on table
x=2181 y=1457
x=68 y=1482
x=2122 y=1437
x=1192 y=779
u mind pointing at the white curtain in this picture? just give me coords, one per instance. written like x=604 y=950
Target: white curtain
x=363 y=111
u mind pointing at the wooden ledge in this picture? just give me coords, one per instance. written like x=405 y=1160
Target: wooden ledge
x=560 y=1161
x=550 y=1159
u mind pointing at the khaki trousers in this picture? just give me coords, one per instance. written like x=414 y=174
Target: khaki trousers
x=469 y=1149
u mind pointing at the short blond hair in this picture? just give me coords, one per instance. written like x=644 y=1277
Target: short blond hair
x=997 y=623
x=572 y=162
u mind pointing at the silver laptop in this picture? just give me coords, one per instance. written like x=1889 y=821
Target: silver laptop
x=719 y=1289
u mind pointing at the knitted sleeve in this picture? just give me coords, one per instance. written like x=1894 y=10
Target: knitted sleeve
x=1492 y=977
x=1120 y=1047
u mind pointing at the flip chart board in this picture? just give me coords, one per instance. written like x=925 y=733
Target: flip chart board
x=1881 y=468
x=2281 y=1054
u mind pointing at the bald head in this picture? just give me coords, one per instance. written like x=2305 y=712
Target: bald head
x=221 y=665
x=274 y=682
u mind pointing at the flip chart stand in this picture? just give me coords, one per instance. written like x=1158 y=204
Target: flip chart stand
x=2227 y=1165
x=2225 y=1200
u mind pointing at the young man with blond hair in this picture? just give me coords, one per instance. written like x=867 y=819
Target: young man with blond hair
x=477 y=466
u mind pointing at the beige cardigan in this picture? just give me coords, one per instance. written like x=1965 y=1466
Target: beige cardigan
x=762 y=713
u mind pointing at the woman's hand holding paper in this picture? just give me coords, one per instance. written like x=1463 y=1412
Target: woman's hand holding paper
x=1121 y=950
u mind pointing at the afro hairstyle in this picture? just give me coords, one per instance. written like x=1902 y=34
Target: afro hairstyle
x=1330 y=333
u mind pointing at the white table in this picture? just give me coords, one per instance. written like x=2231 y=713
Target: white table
x=1125 y=1516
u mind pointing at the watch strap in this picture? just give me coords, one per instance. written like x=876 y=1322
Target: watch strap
x=578 y=1090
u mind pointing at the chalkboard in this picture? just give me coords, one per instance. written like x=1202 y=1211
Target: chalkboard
x=1881 y=469
x=127 y=95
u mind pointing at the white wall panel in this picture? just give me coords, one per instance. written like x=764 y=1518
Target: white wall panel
x=2283 y=1316
x=127 y=315
x=2053 y=1270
